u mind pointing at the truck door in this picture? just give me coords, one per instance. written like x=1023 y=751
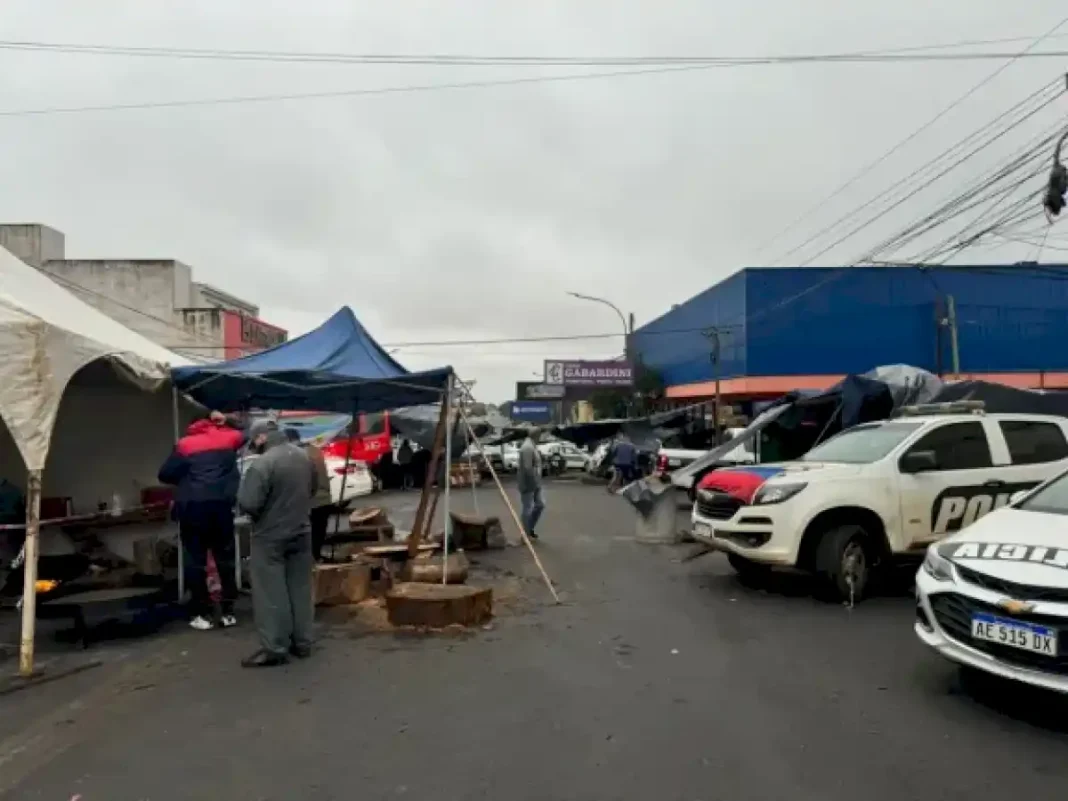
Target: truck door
x=955 y=492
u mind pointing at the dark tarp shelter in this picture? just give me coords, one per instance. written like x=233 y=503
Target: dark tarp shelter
x=1001 y=398
x=338 y=367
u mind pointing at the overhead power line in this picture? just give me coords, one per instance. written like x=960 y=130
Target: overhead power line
x=867 y=169
x=922 y=52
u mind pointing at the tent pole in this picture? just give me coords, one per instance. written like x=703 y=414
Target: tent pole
x=29 y=572
x=344 y=476
x=446 y=523
x=422 y=520
x=511 y=509
x=474 y=485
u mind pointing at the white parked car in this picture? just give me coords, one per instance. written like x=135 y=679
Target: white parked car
x=877 y=492
x=510 y=457
x=995 y=595
x=573 y=458
x=358 y=483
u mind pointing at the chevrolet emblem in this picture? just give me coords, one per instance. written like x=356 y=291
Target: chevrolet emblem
x=1014 y=607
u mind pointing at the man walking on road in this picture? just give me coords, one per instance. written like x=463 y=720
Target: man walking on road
x=203 y=469
x=276 y=493
x=529 y=481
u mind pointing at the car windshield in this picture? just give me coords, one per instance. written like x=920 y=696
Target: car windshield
x=1051 y=499
x=862 y=445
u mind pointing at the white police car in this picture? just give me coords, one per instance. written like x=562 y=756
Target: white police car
x=995 y=596
x=877 y=492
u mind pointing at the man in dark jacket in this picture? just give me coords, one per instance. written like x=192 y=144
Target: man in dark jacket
x=276 y=493
x=203 y=469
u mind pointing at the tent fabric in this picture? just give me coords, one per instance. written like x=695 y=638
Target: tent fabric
x=47 y=335
x=338 y=367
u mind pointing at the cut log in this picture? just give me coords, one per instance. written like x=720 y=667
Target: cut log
x=427 y=568
x=439 y=605
x=334 y=585
x=475 y=533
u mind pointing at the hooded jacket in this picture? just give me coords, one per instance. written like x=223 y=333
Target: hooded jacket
x=277 y=489
x=203 y=466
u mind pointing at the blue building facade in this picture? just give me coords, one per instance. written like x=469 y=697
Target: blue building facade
x=831 y=321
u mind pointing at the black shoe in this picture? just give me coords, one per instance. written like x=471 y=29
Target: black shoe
x=532 y=535
x=264 y=659
x=300 y=651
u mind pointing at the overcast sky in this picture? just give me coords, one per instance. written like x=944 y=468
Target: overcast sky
x=468 y=214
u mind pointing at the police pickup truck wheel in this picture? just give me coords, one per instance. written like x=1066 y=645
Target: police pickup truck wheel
x=843 y=563
x=748 y=570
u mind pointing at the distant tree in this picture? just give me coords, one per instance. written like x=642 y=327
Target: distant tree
x=635 y=401
x=477 y=409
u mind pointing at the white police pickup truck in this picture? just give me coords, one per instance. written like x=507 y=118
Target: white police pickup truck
x=994 y=597
x=879 y=491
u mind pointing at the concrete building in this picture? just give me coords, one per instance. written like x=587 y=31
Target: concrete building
x=155 y=297
x=786 y=328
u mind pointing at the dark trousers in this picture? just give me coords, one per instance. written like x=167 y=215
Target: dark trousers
x=207 y=527
x=320 y=521
x=281 y=571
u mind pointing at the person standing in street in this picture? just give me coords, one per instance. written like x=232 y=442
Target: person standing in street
x=529 y=481
x=625 y=459
x=276 y=493
x=322 y=505
x=203 y=469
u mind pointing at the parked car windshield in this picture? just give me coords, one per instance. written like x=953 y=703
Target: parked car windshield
x=1051 y=499
x=862 y=445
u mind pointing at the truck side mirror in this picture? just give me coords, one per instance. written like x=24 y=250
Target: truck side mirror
x=918 y=462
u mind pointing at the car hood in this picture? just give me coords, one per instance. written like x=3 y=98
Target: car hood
x=1014 y=545
x=743 y=482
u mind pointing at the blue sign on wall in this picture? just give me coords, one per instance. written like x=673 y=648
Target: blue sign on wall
x=532 y=411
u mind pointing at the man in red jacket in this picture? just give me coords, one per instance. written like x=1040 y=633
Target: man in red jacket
x=203 y=469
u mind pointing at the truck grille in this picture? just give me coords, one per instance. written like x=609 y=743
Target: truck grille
x=1022 y=592
x=717 y=505
x=954 y=614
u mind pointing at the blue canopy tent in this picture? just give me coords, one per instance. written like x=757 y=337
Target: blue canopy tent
x=338 y=367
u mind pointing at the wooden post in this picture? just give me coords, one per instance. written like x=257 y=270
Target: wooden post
x=421 y=520
x=511 y=509
x=29 y=572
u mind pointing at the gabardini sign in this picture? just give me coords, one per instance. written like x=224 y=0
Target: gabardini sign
x=589 y=374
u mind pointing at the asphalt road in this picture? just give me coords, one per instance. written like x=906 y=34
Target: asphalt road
x=657 y=679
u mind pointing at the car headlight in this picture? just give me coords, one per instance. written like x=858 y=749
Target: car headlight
x=776 y=493
x=937 y=566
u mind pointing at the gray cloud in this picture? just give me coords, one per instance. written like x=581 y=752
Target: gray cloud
x=468 y=214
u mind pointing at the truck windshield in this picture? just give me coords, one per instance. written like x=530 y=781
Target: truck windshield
x=1051 y=499
x=862 y=445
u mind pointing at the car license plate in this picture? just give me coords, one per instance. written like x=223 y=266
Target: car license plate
x=701 y=531
x=674 y=463
x=1015 y=633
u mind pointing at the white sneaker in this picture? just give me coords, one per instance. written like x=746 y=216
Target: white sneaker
x=228 y=621
x=201 y=623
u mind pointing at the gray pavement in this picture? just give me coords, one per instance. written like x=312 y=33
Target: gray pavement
x=657 y=679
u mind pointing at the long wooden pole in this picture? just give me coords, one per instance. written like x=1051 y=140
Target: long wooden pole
x=29 y=572
x=511 y=509
x=416 y=534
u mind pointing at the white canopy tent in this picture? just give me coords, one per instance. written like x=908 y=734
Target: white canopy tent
x=47 y=335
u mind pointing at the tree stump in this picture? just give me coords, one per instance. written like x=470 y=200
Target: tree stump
x=439 y=605
x=475 y=533
x=335 y=585
x=427 y=568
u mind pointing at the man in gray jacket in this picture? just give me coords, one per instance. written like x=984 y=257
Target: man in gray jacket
x=529 y=481
x=276 y=493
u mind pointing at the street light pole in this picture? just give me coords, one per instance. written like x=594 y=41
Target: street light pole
x=627 y=329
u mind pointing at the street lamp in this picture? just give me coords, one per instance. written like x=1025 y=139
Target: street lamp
x=627 y=329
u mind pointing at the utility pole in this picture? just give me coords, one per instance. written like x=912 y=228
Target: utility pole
x=951 y=322
x=714 y=335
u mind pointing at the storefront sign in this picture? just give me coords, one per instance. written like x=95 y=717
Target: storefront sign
x=589 y=374
x=535 y=390
x=532 y=412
